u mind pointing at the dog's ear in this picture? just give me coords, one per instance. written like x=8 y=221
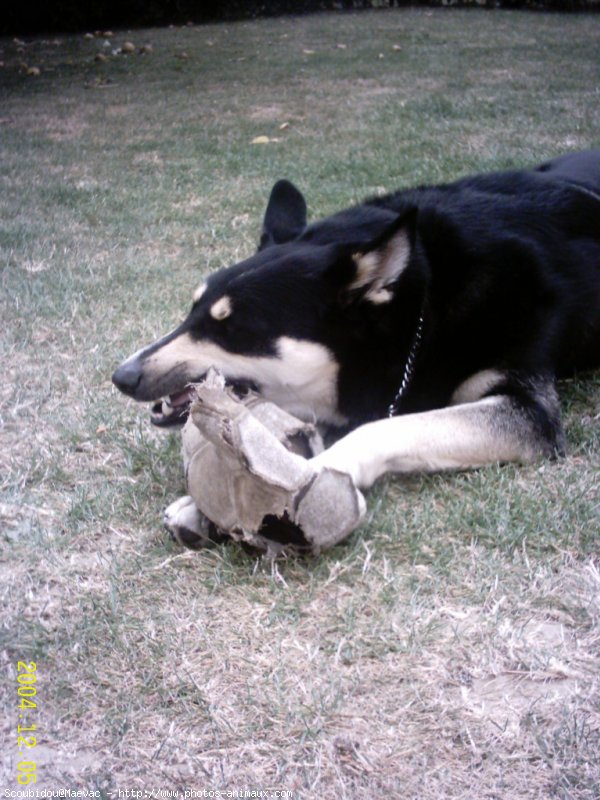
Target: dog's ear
x=383 y=261
x=285 y=217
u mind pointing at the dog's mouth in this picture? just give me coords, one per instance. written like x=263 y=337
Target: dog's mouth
x=174 y=409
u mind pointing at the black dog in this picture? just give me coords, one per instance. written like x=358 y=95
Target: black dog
x=429 y=325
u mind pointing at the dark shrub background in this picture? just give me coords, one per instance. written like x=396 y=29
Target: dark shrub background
x=73 y=15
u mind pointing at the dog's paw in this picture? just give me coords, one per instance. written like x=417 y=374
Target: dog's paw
x=188 y=526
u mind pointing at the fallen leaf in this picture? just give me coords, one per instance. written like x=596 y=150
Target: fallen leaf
x=261 y=140
x=309 y=52
x=284 y=126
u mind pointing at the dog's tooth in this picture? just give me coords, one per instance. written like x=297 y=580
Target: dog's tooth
x=167 y=410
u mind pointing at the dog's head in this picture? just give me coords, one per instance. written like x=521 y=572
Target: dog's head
x=286 y=319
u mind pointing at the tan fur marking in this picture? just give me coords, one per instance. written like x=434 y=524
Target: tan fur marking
x=476 y=386
x=198 y=292
x=179 y=352
x=367 y=265
x=222 y=308
x=379 y=297
x=380 y=268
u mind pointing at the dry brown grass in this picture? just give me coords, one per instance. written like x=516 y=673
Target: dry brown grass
x=451 y=648
x=361 y=679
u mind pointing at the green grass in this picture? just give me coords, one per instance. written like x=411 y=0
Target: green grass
x=449 y=647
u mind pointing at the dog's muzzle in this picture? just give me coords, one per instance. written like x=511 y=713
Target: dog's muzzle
x=168 y=411
x=172 y=410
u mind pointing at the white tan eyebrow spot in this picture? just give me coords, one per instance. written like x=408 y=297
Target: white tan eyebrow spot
x=198 y=292
x=221 y=308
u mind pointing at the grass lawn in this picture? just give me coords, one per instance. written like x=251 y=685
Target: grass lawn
x=450 y=648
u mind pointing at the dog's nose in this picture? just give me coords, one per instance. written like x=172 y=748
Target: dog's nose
x=127 y=377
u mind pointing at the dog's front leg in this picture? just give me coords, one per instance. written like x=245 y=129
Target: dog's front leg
x=490 y=430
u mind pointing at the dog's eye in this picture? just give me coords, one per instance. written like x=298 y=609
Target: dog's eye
x=221 y=308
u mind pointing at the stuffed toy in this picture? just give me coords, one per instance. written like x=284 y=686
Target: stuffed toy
x=248 y=471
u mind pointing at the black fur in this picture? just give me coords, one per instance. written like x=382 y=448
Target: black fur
x=505 y=269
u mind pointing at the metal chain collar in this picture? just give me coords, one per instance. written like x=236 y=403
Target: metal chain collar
x=412 y=354
x=409 y=369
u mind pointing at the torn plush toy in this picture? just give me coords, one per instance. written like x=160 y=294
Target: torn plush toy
x=248 y=471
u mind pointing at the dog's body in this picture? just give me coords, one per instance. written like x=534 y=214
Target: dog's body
x=429 y=325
